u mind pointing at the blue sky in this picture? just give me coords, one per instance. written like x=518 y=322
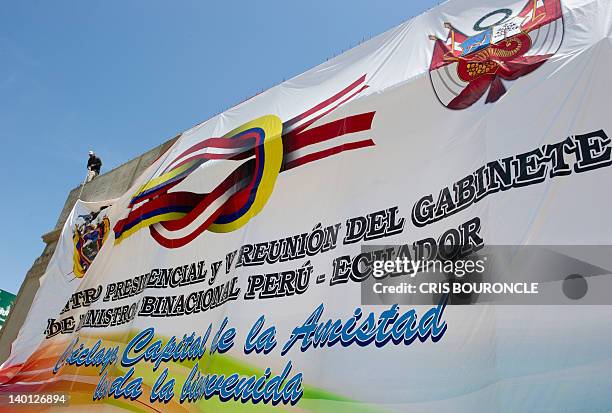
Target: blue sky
x=121 y=77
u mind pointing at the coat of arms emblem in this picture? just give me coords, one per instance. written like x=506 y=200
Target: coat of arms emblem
x=501 y=49
x=89 y=234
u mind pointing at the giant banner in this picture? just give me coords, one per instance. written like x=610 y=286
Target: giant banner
x=278 y=255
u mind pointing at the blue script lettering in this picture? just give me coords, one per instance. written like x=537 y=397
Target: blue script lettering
x=389 y=326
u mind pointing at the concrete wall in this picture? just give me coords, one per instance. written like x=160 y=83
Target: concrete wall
x=106 y=186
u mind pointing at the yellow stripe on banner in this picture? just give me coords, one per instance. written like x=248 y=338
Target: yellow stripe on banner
x=273 y=155
x=77 y=269
x=163 y=178
x=170 y=216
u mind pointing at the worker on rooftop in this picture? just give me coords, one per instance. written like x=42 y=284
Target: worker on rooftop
x=93 y=166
